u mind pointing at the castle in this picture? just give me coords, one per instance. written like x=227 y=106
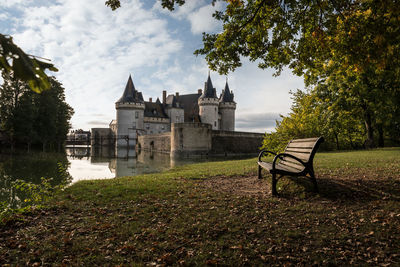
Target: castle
x=138 y=117
x=179 y=124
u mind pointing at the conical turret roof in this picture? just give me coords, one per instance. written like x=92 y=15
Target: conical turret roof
x=209 y=90
x=226 y=95
x=130 y=93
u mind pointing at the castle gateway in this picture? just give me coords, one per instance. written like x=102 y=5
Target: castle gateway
x=191 y=124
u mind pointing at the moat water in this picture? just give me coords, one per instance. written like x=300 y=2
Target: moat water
x=80 y=163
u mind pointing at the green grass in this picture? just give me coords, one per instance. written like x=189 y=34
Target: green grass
x=172 y=218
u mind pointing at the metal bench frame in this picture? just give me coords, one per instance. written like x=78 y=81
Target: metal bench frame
x=287 y=163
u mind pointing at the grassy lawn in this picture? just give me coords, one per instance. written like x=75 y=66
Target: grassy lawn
x=219 y=213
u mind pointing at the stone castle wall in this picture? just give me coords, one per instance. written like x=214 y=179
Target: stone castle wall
x=227 y=111
x=208 y=111
x=188 y=139
x=155 y=142
x=101 y=137
x=129 y=118
x=234 y=143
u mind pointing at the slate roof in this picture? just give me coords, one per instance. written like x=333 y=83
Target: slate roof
x=188 y=103
x=130 y=94
x=191 y=107
x=154 y=110
x=209 y=91
x=172 y=101
x=226 y=95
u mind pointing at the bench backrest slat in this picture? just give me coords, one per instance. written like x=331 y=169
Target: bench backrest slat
x=305 y=140
x=303 y=156
x=299 y=150
x=304 y=149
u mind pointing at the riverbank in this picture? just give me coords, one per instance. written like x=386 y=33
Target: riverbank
x=220 y=213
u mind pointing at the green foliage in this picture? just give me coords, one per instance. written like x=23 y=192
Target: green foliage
x=28 y=117
x=34 y=194
x=24 y=67
x=311 y=116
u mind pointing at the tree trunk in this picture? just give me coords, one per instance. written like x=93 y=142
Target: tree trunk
x=351 y=142
x=380 y=135
x=337 y=140
x=369 y=142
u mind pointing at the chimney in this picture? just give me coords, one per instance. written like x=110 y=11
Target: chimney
x=177 y=95
x=199 y=91
x=164 y=97
x=150 y=100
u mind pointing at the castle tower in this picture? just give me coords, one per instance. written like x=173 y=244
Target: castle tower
x=130 y=113
x=208 y=105
x=227 y=109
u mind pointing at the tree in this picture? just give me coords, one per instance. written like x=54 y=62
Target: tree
x=311 y=115
x=64 y=112
x=10 y=95
x=28 y=117
x=24 y=67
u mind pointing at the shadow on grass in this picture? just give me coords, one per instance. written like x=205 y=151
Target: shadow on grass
x=353 y=190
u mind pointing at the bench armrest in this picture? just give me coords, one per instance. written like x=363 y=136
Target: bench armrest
x=281 y=155
x=264 y=152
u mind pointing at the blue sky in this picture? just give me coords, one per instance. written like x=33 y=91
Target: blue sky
x=95 y=50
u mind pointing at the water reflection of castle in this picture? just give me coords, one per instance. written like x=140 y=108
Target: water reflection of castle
x=128 y=165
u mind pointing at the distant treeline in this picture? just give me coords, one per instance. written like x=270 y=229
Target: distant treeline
x=31 y=119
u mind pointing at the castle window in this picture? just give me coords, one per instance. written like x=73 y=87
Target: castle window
x=215 y=123
x=137 y=114
x=134 y=125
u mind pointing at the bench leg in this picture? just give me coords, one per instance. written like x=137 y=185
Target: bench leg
x=274 y=181
x=259 y=172
x=314 y=181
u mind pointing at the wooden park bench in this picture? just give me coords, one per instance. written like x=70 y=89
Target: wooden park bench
x=297 y=160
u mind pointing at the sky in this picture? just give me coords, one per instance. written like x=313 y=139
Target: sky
x=96 y=49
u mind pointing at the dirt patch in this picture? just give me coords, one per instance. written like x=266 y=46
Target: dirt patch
x=238 y=185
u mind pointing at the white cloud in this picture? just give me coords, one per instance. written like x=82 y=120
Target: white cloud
x=197 y=12
x=13 y=3
x=4 y=16
x=202 y=20
x=256 y=122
